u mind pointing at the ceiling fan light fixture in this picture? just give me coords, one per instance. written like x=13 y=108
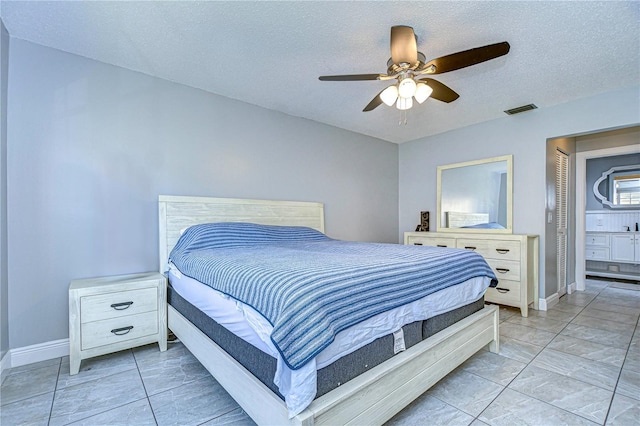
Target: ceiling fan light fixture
x=406 y=88
x=404 y=103
x=389 y=95
x=423 y=91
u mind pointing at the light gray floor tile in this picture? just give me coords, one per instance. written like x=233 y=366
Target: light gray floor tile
x=90 y=398
x=589 y=350
x=540 y=323
x=526 y=334
x=583 y=399
x=603 y=305
x=429 y=410
x=192 y=404
x=629 y=383
x=96 y=368
x=30 y=411
x=567 y=307
x=554 y=314
x=632 y=303
x=506 y=312
x=620 y=292
x=579 y=298
x=496 y=368
x=35 y=366
x=602 y=324
x=632 y=362
x=29 y=382
x=137 y=413
x=162 y=371
x=610 y=315
x=624 y=411
x=515 y=408
x=596 y=335
x=593 y=372
x=466 y=391
x=235 y=418
x=477 y=422
x=518 y=350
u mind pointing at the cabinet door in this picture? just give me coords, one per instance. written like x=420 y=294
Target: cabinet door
x=637 y=251
x=623 y=247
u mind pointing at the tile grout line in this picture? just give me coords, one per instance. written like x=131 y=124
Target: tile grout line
x=133 y=353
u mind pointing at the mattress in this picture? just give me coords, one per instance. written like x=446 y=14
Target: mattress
x=369 y=341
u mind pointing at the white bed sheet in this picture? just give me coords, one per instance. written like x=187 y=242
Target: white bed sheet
x=299 y=386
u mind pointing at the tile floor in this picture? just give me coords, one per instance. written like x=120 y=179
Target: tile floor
x=576 y=364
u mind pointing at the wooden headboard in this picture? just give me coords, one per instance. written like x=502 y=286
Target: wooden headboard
x=177 y=213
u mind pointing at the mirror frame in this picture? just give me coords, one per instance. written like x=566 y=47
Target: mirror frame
x=605 y=176
x=509 y=228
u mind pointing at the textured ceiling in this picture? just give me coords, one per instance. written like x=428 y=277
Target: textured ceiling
x=271 y=53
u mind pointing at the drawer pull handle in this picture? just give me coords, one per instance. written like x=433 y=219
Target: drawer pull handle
x=502 y=251
x=121 y=306
x=470 y=247
x=122 y=331
x=417 y=244
x=502 y=270
x=442 y=245
x=502 y=290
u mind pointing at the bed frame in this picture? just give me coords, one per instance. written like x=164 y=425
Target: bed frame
x=371 y=398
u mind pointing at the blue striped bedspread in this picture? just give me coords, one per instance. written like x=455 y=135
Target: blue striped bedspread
x=309 y=286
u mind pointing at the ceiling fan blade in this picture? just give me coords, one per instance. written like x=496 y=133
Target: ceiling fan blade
x=441 y=91
x=352 y=77
x=375 y=102
x=467 y=58
x=404 y=45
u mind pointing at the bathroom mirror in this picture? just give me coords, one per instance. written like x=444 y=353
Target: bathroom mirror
x=619 y=187
x=476 y=196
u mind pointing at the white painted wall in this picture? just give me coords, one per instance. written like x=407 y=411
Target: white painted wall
x=91 y=146
x=522 y=135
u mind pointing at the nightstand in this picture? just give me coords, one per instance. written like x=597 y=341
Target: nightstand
x=111 y=314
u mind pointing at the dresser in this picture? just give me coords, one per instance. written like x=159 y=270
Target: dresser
x=513 y=258
x=110 y=314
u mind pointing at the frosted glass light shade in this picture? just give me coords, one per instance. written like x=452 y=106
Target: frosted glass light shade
x=407 y=88
x=404 y=103
x=389 y=95
x=423 y=91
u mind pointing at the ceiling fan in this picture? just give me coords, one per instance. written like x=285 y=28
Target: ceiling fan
x=407 y=64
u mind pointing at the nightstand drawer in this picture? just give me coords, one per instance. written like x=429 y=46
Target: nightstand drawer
x=106 y=332
x=505 y=269
x=118 y=304
x=507 y=292
x=492 y=249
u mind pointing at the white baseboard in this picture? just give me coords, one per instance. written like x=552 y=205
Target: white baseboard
x=574 y=287
x=36 y=353
x=549 y=302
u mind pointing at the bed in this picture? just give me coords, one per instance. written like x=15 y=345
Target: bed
x=371 y=397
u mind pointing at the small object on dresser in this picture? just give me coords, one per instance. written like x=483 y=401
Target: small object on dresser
x=424 y=222
x=110 y=314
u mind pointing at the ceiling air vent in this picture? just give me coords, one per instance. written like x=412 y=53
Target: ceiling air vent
x=520 y=109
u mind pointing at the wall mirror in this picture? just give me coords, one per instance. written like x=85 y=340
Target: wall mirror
x=476 y=196
x=619 y=187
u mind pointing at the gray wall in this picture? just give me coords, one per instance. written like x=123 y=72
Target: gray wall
x=4 y=282
x=595 y=168
x=524 y=136
x=91 y=146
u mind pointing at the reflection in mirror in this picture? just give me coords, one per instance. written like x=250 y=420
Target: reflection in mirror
x=475 y=196
x=619 y=187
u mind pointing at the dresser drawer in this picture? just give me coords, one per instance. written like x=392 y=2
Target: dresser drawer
x=505 y=269
x=432 y=241
x=597 y=240
x=113 y=305
x=507 y=292
x=492 y=249
x=597 y=253
x=115 y=330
